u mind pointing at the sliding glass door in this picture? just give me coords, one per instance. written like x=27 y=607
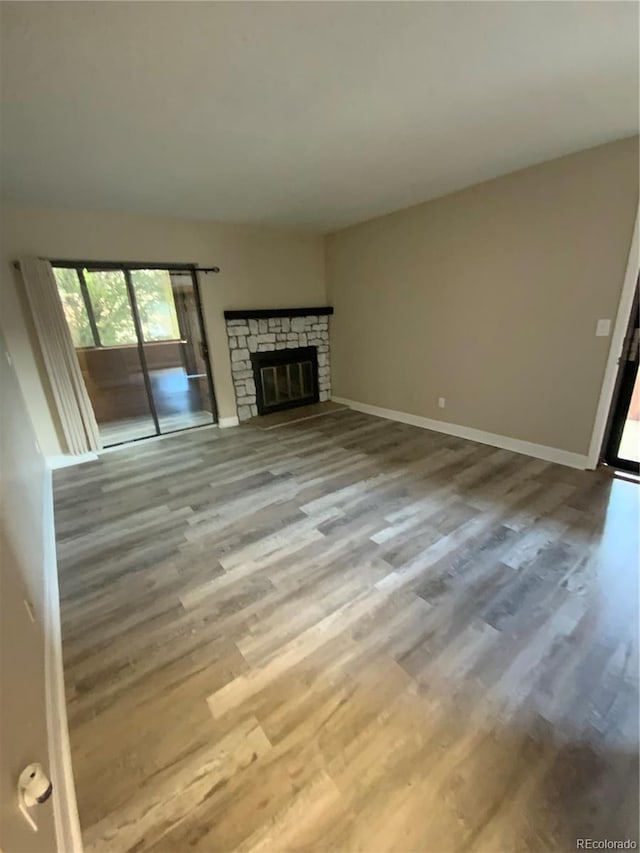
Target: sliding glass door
x=140 y=341
x=174 y=348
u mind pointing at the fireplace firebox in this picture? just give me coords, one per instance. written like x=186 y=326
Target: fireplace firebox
x=285 y=378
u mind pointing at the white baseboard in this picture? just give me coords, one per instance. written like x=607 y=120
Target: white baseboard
x=225 y=423
x=66 y=460
x=65 y=808
x=528 y=448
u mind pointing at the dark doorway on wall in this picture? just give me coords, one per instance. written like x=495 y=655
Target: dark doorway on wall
x=622 y=448
x=140 y=341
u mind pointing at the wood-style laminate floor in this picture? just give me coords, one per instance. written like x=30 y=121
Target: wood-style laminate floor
x=348 y=634
x=275 y=420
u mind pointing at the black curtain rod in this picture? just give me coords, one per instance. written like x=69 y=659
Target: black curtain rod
x=114 y=265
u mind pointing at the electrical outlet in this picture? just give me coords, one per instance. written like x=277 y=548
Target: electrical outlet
x=442 y=402
x=603 y=328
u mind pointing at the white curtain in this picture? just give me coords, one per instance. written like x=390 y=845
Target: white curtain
x=60 y=359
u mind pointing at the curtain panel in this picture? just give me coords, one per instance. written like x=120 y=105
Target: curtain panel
x=60 y=359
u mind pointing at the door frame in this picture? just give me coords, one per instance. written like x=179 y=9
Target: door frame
x=133 y=302
x=623 y=395
x=205 y=340
x=616 y=347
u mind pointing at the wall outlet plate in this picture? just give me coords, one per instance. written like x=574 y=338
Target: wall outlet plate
x=603 y=328
x=442 y=402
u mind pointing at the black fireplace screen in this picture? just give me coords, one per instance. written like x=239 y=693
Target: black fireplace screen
x=285 y=378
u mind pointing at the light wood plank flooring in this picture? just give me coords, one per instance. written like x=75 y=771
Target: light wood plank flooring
x=348 y=634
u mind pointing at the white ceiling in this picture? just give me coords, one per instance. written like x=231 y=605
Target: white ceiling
x=312 y=114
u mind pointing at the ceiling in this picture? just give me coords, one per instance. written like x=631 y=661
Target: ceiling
x=307 y=114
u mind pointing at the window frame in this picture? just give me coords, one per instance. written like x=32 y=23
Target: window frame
x=126 y=268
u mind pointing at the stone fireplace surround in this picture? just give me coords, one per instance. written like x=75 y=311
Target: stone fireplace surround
x=264 y=330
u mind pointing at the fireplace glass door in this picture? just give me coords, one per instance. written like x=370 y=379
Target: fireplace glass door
x=285 y=378
x=287 y=383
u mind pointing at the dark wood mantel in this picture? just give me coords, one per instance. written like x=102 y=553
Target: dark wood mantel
x=262 y=313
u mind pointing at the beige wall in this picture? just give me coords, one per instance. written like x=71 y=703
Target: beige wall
x=260 y=267
x=23 y=549
x=489 y=297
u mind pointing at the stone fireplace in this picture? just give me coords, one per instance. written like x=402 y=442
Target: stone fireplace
x=279 y=358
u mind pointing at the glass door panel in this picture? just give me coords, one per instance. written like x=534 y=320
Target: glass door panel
x=630 y=441
x=98 y=311
x=174 y=348
x=75 y=308
x=623 y=446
